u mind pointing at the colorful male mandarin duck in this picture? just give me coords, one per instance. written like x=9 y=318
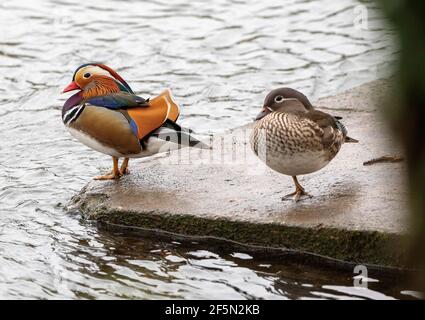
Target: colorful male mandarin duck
x=108 y=117
x=293 y=138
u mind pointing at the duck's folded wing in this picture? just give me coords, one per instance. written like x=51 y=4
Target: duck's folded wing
x=332 y=129
x=119 y=100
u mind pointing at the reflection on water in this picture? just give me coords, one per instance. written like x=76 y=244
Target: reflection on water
x=219 y=58
x=112 y=264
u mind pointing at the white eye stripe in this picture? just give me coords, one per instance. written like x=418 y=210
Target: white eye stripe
x=280 y=99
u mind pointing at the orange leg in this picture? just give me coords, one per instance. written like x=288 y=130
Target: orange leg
x=115 y=174
x=124 y=167
x=299 y=191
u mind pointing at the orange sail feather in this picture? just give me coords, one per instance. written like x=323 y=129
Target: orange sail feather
x=160 y=109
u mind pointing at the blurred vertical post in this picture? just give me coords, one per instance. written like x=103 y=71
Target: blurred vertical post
x=406 y=109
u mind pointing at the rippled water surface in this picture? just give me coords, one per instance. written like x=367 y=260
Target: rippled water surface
x=219 y=58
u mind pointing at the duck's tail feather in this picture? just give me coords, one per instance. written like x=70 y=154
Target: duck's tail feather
x=173 y=125
x=350 y=140
x=344 y=131
x=172 y=132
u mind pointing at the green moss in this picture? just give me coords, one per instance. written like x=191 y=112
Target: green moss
x=347 y=245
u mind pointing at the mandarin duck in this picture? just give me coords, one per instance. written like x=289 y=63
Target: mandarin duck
x=108 y=117
x=293 y=138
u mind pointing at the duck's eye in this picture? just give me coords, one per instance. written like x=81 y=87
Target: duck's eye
x=87 y=75
x=278 y=99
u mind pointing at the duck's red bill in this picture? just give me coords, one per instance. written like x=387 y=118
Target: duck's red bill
x=71 y=87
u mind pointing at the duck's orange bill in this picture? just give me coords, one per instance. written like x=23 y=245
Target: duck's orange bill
x=160 y=109
x=70 y=87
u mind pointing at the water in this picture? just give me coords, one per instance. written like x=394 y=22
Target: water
x=219 y=58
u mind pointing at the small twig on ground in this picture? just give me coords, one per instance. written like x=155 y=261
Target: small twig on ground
x=383 y=159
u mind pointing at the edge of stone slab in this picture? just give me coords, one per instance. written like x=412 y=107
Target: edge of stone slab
x=371 y=248
x=289 y=255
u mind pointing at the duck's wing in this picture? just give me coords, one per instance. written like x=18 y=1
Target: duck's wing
x=333 y=129
x=119 y=100
x=153 y=118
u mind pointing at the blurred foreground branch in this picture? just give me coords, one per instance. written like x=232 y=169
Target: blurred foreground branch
x=406 y=110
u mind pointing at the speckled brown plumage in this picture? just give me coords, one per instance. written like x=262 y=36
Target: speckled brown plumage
x=290 y=134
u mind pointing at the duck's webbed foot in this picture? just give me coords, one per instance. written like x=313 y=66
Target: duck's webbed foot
x=298 y=193
x=110 y=173
x=110 y=176
x=114 y=174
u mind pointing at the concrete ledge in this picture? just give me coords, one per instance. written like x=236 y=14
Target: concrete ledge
x=356 y=214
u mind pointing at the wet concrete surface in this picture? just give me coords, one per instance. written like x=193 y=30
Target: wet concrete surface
x=356 y=212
